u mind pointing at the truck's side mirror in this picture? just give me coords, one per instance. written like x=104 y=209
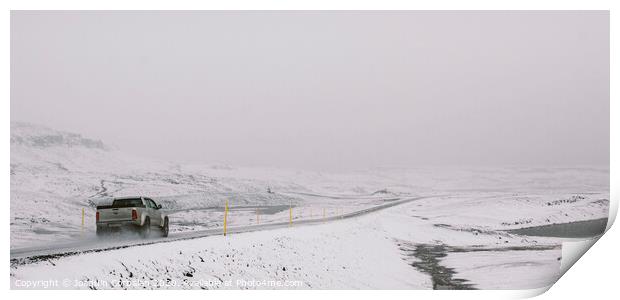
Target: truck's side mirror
x=158 y=206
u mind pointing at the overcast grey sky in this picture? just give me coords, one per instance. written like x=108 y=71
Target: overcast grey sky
x=321 y=90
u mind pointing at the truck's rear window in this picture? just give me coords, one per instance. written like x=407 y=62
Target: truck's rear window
x=137 y=202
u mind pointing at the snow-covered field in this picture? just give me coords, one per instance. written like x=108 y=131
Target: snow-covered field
x=457 y=229
x=365 y=252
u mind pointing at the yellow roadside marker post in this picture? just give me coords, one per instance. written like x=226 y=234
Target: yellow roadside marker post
x=290 y=215
x=225 y=217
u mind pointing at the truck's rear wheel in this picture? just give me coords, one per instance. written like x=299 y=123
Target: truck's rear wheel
x=100 y=231
x=146 y=228
x=164 y=229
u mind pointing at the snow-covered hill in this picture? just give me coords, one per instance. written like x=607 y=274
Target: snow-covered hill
x=55 y=174
x=37 y=136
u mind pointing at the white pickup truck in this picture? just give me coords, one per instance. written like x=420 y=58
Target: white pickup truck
x=139 y=213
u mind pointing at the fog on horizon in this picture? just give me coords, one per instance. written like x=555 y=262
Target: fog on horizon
x=321 y=90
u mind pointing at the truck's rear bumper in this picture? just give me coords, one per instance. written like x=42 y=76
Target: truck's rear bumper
x=117 y=225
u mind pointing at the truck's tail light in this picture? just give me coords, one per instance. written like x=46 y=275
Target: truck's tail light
x=97 y=216
x=134 y=214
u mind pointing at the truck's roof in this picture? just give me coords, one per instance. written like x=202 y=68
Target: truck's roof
x=125 y=198
x=124 y=202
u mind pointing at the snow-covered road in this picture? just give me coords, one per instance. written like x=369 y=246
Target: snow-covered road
x=383 y=249
x=91 y=243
